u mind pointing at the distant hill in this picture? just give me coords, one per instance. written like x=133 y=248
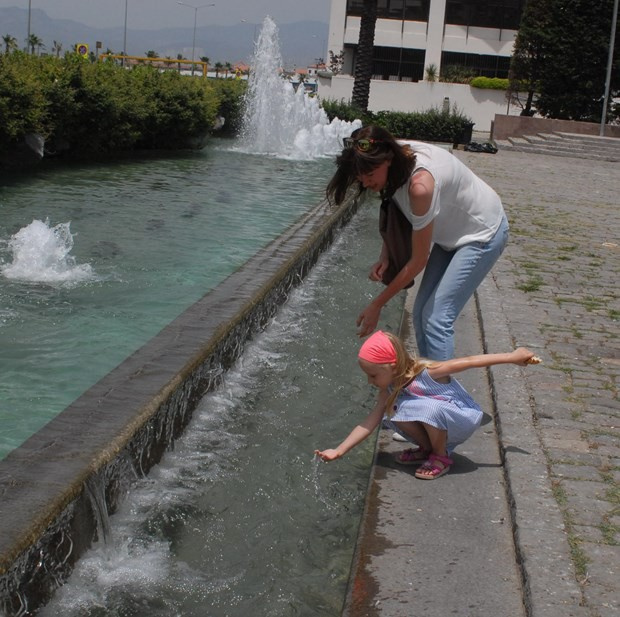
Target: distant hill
x=300 y=42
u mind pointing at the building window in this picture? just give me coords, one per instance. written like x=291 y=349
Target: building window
x=474 y=64
x=410 y=10
x=501 y=14
x=396 y=64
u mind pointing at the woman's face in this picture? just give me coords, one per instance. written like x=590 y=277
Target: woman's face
x=376 y=179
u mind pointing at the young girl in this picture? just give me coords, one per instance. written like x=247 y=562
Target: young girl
x=421 y=401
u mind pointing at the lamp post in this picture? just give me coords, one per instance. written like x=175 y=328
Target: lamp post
x=610 y=58
x=125 y=34
x=202 y=6
x=28 y=35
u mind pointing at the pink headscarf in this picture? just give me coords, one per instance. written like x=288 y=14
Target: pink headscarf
x=378 y=349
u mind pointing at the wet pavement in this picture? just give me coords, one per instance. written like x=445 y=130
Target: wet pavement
x=527 y=523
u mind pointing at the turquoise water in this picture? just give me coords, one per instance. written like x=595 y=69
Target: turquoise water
x=96 y=259
x=241 y=519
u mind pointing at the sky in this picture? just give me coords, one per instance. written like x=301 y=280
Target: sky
x=155 y=14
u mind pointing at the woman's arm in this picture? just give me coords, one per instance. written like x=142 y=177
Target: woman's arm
x=379 y=267
x=361 y=432
x=445 y=368
x=420 y=197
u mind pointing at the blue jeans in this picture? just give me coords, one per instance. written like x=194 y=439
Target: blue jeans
x=450 y=279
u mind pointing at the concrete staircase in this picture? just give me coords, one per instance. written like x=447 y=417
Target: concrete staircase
x=565 y=144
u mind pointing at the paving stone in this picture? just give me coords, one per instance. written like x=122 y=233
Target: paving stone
x=576 y=472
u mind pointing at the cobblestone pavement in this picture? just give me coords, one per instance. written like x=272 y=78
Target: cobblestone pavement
x=557 y=287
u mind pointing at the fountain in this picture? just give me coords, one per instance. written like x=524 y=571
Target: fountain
x=176 y=549
x=279 y=120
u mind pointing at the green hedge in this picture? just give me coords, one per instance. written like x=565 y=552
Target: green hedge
x=490 y=83
x=431 y=125
x=88 y=109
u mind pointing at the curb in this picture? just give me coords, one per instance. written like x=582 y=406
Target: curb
x=549 y=583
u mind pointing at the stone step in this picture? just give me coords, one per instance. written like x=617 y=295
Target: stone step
x=554 y=141
x=522 y=145
x=592 y=147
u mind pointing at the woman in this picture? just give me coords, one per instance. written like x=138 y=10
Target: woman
x=459 y=228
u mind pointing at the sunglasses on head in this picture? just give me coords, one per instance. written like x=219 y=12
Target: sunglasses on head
x=363 y=145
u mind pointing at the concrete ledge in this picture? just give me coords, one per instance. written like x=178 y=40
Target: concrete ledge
x=58 y=488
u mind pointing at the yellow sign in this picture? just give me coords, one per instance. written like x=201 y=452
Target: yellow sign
x=82 y=49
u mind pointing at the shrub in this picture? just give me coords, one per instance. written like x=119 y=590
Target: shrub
x=23 y=106
x=456 y=74
x=490 y=83
x=432 y=125
x=87 y=109
x=230 y=93
x=345 y=111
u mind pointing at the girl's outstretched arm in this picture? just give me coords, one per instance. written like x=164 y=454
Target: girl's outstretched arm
x=445 y=368
x=360 y=432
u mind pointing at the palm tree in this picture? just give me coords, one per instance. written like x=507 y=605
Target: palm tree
x=218 y=67
x=227 y=68
x=363 y=59
x=33 y=42
x=57 y=48
x=10 y=43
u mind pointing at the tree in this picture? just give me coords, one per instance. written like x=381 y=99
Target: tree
x=526 y=64
x=10 y=43
x=57 y=48
x=218 y=67
x=363 y=59
x=34 y=42
x=336 y=61
x=576 y=48
x=152 y=54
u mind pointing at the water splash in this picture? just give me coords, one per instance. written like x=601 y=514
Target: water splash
x=41 y=254
x=279 y=120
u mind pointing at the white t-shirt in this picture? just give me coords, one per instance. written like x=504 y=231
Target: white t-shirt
x=464 y=208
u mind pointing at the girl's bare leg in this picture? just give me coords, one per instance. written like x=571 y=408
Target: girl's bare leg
x=416 y=430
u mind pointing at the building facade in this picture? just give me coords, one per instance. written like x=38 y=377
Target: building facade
x=414 y=38
x=474 y=37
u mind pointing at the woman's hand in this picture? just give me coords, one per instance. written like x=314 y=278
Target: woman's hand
x=368 y=320
x=328 y=455
x=377 y=270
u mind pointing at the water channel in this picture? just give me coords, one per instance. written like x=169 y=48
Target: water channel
x=95 y=259
x=239 y=519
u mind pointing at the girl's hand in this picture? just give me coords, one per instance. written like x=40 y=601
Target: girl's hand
x=377 y=270
x=368 y=320
x=523 y=357
x=328 y=455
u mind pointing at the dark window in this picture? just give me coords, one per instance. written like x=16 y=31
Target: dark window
x=411 y=10
x=502 y=14
x=475 y=64
x=396 y=64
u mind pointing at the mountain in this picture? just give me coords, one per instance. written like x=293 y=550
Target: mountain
x=300 y=42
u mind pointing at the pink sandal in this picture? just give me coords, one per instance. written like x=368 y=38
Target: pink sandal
x=434 y=468
x=412 y=457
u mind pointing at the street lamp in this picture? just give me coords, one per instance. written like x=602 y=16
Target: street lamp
x=28 y=35
x=202 y=6
x=610 y=60
x=125 y=34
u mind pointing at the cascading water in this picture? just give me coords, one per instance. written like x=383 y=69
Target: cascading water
x=279 y=120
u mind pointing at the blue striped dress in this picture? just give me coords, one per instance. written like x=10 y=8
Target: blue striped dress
x=446 y=406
